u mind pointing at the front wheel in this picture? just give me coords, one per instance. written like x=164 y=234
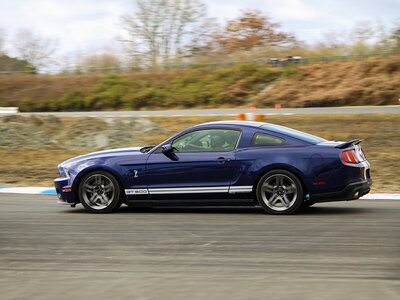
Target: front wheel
x=279 y=192
x=99 y=192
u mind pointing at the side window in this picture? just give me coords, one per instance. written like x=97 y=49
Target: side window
x=207 y=140
x=263 y=139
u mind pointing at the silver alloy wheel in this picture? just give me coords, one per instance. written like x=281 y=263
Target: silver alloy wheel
x=98 y=191
x=279 y=192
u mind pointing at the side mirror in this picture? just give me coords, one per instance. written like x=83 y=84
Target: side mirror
x=167 y=148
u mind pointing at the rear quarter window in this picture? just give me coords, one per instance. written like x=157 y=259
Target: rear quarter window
x=306 y=137
x=263 y=139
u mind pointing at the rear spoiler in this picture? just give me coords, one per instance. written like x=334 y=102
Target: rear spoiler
x=348 y=144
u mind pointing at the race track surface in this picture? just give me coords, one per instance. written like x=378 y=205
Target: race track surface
x=348 y=250
x=393 y=109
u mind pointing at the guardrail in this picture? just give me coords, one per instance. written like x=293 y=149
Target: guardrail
x=272 y=62
x=8 y=110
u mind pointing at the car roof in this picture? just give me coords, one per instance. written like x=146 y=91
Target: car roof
x=239 y=123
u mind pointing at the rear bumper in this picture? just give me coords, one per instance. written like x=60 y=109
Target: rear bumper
x=64 y=191
x=352 y=191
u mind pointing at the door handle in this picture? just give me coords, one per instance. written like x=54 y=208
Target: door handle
x=222 y=160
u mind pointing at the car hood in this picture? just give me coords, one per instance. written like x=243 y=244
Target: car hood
x=105 y=153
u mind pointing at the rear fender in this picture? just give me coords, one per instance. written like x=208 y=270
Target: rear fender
x=285 y=167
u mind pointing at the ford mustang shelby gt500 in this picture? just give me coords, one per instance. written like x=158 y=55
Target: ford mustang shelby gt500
x=222 y=163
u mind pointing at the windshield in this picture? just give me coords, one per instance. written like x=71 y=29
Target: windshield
x=295 y=133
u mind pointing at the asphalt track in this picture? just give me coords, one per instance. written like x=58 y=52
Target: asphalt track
x=394 y=109
x=347 y=250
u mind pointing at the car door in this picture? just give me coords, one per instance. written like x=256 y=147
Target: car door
x=201 y=162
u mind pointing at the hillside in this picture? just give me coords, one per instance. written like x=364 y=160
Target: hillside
x=368 y=82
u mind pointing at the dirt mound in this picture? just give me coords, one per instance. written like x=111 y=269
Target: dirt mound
x=15 y=135
x=37 y=132
x=139 y=125
x=369 y=82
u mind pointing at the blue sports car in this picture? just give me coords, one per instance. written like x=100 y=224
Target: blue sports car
x=219 y=163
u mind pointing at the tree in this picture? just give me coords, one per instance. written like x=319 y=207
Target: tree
x=387 y=39
x=99 y=62
x=161 y=30
x=2 y=38
x=10 y=64
x=33 y=48
x=361 y=37
x=395 y=36
x=363 y=31
x=248 y=30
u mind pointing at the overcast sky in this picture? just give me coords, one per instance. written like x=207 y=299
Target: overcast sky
x=81 y=25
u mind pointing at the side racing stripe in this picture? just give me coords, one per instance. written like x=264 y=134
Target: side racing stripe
x=191 y=190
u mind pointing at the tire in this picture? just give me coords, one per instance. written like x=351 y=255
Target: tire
x=99 y=192
x=279 y=192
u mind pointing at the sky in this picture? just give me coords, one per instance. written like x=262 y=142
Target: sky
x=93 y=25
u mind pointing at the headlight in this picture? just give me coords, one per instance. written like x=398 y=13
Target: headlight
x=66 y=172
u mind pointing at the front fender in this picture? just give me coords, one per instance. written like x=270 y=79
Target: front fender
x=79 y=176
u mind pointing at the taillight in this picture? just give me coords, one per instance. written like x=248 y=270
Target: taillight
x=350 y=156
x=365 y=157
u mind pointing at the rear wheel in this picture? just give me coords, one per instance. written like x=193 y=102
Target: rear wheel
x=279 y=192
x=99 y=192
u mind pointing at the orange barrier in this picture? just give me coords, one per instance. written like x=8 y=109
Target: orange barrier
x=259 y=118
x=241 y=117
x=278 y=106
x=250 y=117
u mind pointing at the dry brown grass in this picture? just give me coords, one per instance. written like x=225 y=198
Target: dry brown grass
x=381 y=133
x=32 y=167
x=15 y=88
x=370 y=82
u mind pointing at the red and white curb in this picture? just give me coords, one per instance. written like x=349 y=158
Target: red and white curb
x=52 y=191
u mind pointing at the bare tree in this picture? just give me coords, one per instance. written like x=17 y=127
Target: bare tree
x=2 y=38
x=395 y=36
x=363 y=31
x=161 y=30
x=361 y=38
x=34 y=48
x=99 y=62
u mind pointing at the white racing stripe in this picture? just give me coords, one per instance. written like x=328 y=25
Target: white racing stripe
x=241 y=189
x=191 y=190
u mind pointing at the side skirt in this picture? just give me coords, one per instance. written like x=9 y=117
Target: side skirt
x=190 y=202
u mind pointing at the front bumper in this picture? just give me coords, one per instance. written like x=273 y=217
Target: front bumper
x=352 y=191
x=64 y=191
